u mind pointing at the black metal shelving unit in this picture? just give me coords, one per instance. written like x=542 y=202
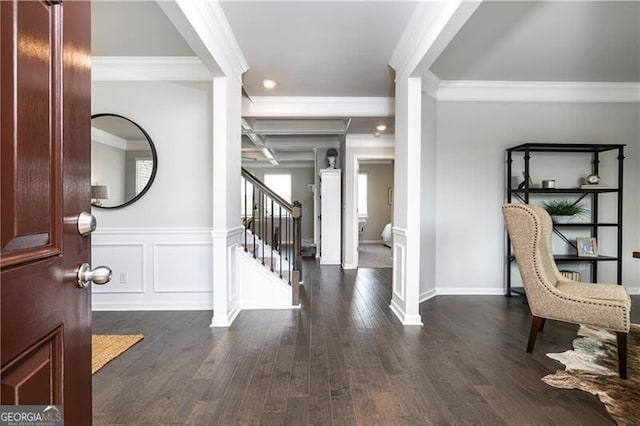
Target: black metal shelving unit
x=523 y=195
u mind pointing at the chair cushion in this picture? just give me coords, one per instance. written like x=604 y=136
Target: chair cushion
x=604 y=292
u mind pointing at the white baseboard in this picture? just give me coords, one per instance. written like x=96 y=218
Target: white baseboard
x=633 y=291
x=429 y=294
x=403 y=317
x=460 y=291
x=205 y=305
x=349 y=266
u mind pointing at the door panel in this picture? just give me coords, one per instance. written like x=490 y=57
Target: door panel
x=45 y=328
x=31 y=180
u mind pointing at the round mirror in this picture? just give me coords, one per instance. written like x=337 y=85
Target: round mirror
x=123 y=161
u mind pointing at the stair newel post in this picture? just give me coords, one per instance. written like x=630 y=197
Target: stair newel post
x=280 y=236
x=296 y=213
x=246 y=219
x=273 y=234
x=253 y=218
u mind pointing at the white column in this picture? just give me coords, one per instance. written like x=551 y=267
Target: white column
x=226 y=231
x=406 y=212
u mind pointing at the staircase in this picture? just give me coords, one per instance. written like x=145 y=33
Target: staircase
x=270 y=259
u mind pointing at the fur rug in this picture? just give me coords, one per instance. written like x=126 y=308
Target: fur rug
x=592 y=366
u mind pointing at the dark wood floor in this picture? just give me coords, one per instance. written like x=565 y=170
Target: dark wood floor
x=341 y=359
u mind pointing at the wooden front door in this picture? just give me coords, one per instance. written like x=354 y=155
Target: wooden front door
x=45 y=319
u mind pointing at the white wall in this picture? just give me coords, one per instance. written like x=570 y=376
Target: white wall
x=470 y=180
x=166 y=233
x=428 y=198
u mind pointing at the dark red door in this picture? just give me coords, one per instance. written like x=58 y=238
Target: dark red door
x=45 y=341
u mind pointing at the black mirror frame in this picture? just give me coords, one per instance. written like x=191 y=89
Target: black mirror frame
x=154 y=155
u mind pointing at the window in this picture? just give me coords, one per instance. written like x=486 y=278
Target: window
x=362 y=195
x=144 y=168
x=280 y=184
x=246 y=198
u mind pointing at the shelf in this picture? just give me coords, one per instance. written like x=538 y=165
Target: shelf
x=576 y=258
x=583 y=225
x=564 y=190
x=565 y=147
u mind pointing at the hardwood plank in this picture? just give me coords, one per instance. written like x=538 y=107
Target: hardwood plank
x=343 y=358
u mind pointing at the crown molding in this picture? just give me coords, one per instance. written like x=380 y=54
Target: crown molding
x=533 y=91
x=370 y=141
x=205 y=27
x=148 y=68
x=301 y=106
x=430 y=84
x=429 y=30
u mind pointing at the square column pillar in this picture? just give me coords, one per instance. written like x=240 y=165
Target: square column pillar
x=407 y=196
x=227 y=232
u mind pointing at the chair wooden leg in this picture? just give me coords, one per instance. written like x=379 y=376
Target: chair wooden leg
x=622 y=354
x=535 y=326
x=542 y=323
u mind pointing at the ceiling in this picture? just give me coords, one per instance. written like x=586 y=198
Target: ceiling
x=585 y=41
x=134 y=28
x=342 y=49
x=315 y=48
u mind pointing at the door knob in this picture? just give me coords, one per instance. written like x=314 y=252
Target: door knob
x=100 y=275
x=86 y=223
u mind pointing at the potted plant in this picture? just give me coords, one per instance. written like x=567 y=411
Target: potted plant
x=563 y=211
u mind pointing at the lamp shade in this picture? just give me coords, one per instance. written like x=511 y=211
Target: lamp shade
x=99 y=192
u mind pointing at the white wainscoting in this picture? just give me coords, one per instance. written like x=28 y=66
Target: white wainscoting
x=154 y=269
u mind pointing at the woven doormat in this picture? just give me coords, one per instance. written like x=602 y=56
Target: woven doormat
x=105 y=348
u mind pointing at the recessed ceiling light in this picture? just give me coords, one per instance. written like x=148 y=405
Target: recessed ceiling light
x=381 y=127
x=269 y=84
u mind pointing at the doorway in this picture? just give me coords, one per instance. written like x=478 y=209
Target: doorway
x=374 y=211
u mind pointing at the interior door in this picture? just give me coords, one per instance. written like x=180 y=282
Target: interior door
x=45 y=335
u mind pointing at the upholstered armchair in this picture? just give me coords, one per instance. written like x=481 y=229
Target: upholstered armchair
x=551 y=295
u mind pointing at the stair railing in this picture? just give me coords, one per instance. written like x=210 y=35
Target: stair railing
x=273 y=232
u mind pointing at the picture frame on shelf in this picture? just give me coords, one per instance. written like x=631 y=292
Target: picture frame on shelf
x=587 y=247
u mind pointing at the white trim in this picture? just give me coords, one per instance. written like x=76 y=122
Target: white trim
x=633 y=291
x=537 y=91
x=349 y=266
x=429 y=30
x=219 y=321
x=302 y=106
x=156 y=277
x=205 y=27
x=399 y=232
x=148 y=68
x=370 y=141
x=152 y=231
x=156 y=305
x=426 y=295
x=404 y=319
x=355 y=219
x=227 y=233
x=430 y=84
x=461 y=291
